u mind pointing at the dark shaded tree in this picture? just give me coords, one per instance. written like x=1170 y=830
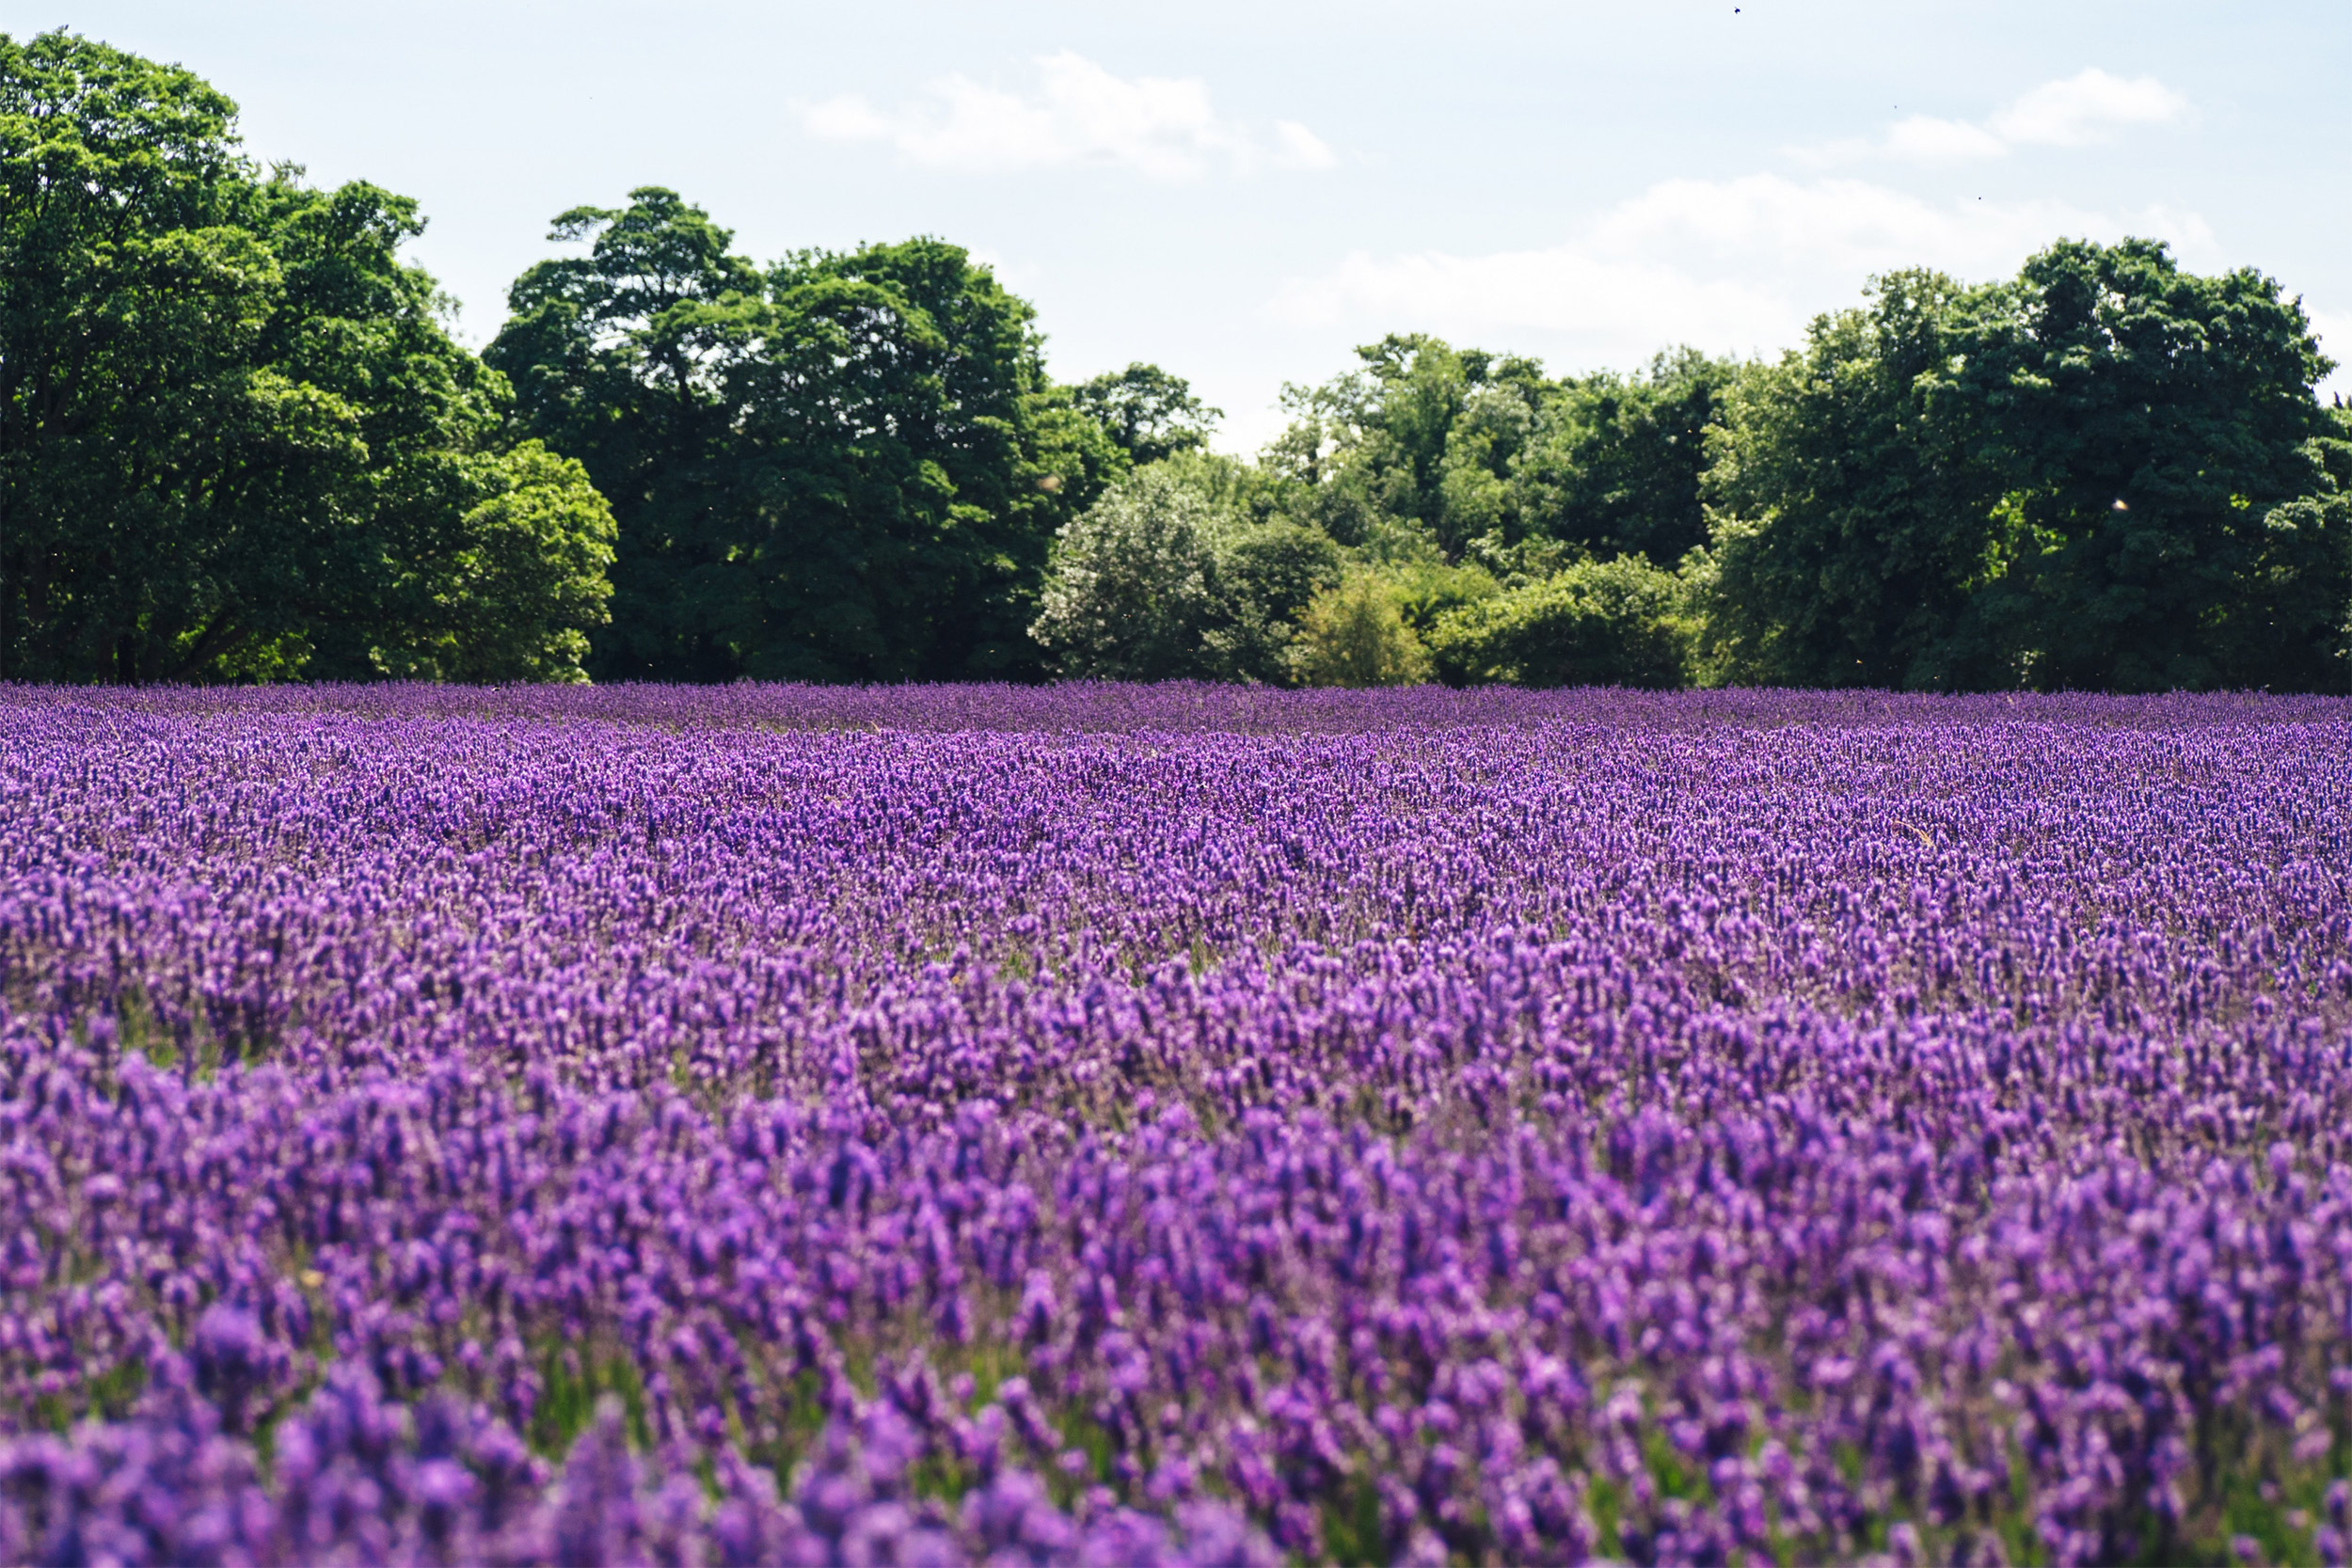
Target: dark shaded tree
x=1852 y=527
x=236 y=439
x=847 y=468
x=2148 y=425
x=2107 y=473
x=1615 y=462
x=625 y=360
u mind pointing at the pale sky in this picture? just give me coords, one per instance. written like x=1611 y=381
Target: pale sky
x=1240 y=192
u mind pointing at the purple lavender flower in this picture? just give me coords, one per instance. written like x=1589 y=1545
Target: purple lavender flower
x=1172 y=1125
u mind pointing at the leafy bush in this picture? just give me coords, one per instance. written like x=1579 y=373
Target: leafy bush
x=1159 y=581
x=1130 y=586
x=1266 y=576
x=1355 y=635
x=1597 y=622
x=1428 y=591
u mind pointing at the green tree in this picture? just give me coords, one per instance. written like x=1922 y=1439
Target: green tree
x=2148 y=425
x=509 y=597
x=2107 y=473
x=1150 y=413
x=850 y=467
x=1474 y=452
x=1165 y=578
x=1133 y=591
x=907 y=367
x=625 y=360
x=1267 y=573
x=1615 y=464
x=1252 y=492
x=236 y=439
x=1595 y=622
x=1419 y=442
x=1852 y=525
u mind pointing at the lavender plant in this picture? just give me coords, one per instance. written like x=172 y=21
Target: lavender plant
x=1173 y=1125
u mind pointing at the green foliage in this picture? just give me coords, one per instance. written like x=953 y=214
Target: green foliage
x=1150 y=414
x=618 y=360
x=1266 y=575
x=238 y=443
x=1425 y=433
x=527 y=574
x=1850 y=524
x=1249 y=491
x=1427 y=589
x=1419 y=464
x=2106 y=474
x=1132 y=588
x=1353 y=1528
x=1355 y=635
x=1615 y=464
x=1464 y=448
x=236 y=439
x=847 y=468
x=1160 y=581
x=1614 y=622
x=573 y=1380
x=2145 y=424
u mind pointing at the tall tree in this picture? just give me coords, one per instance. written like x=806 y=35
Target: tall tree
x=2148 y=424
x=849 y=468
x=939 y=462
x=1415 y=446
x=1150 y=413
x=1852 y=525
x=2107 y=473
x=1478 y=451
x=1615 y=462
x=627 y=359
x=236 y=439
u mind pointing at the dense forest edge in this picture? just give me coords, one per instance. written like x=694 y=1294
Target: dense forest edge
x=239 y=444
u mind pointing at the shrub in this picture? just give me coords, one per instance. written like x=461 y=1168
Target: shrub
x=1613 y=622
x=1266 y=575
x=1132 y=587
x=1355 y=635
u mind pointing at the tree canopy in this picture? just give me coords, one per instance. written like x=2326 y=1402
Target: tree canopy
x=2106 y=474
x=845 y=467
x=1150 y=413
x=236 y=437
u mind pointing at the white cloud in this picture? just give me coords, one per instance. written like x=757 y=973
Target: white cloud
x=1731 y=265
x=1565 y=290
x=1078 y=114
x=2089 y=107
x=1296 y=147
x=1925 y=139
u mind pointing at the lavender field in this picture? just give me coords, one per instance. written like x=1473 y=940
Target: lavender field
x=1182 y=1124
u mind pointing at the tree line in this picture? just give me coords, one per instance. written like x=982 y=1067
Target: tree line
x=238 y=442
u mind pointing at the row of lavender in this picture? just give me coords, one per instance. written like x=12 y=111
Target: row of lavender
x=1172 y=706
x=777 y=1125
